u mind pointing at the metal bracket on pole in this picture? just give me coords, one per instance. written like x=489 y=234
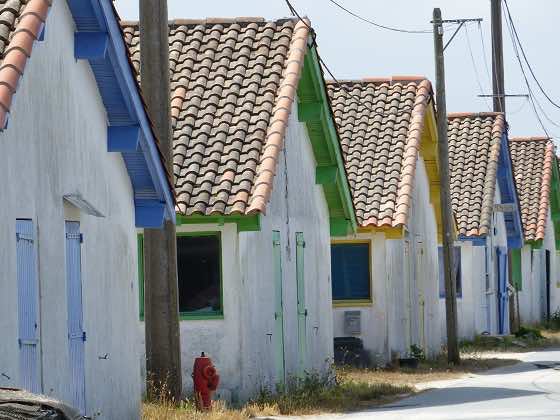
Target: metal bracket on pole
x=461 y=22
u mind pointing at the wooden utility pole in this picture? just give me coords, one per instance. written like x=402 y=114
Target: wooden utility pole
x=445 y=195
x=161 y=309
x=497 y=57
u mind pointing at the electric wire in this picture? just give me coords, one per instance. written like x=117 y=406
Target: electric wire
x=377 y=25
x=342 y=86
x=388 y=28
x=532 y=99
x=475 y=69
x=519 y=108
x=484 y=55
x=529 y=67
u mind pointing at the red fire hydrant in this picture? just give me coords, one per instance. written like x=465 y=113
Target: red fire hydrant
x=206 y=381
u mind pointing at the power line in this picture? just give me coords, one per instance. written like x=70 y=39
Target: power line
x=378 y=25
x=475 y=68
x=525 y=58
x=484 y=55
x=324 y=66
x=532 y=98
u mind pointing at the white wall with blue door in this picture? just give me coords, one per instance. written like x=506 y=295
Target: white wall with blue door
x=477 y=302
x=56 y=145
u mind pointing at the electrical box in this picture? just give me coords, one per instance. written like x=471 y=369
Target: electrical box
x=352 y=322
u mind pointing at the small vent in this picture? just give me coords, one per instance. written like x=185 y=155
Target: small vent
x=352 y=322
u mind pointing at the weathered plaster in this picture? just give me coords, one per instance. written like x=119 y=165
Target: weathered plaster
x=56 y=144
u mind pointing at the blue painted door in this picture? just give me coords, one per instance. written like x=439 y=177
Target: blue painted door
x=502 y=290
x=76 y=333
x=28 y=304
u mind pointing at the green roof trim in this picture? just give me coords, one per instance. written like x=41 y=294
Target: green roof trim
x=314 y=110
x=516 y=274
x=244 y=223
x=535 y=244
x=555 y=201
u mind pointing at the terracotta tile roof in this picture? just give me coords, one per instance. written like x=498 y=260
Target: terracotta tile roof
x=380 y=123
x=532 y=159
x=233 y=82
x=474 y=150
x=21 y=23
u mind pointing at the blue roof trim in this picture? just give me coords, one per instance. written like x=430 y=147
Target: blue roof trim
x=506 y=182
x=476 y=240
x=123 y=103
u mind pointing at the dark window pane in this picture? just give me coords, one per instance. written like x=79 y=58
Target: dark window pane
x=350 y=271
x=199 y=272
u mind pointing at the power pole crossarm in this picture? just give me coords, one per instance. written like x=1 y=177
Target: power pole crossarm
x=445 y=195
x=161 y=309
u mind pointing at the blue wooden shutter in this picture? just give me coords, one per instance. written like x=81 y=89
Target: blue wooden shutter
x=503 y=299
x=76 y=333
x=28 y=298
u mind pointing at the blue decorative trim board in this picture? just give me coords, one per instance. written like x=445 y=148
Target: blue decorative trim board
x=99 y=40
x=476 y=240
x=508 y=194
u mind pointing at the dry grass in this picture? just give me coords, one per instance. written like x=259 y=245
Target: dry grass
x=427 y=371
x=311 y=396
x=354 y=388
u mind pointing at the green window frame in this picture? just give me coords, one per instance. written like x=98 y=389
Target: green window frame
x=185 y=316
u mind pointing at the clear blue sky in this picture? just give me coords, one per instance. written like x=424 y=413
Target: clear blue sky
x=353 y=49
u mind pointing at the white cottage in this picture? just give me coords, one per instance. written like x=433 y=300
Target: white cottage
x=81 y=172
x=384 y=277
x=261 y=187
x=535 y=268
x=486 y=211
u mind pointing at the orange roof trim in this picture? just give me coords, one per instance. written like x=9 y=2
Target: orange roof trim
x=533 y=160
x=18 y=51
x=381 y=137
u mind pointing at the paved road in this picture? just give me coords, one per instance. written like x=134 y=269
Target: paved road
x=528 y=390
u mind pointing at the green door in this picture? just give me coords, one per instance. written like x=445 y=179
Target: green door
x=301 y=309
x=278 y=311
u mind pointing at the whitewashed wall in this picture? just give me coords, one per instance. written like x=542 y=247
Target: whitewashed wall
x=241 y=344
x=56 y=144
x=405 y=307
x=533 y=266
x=477 y=309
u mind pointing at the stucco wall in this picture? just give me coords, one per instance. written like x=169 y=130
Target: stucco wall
x=405 y=309
x=242 y=343
x=533 y=266
x=477 y=308
x=56 y=144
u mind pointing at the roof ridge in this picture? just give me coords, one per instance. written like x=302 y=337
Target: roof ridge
x=395 y=79
x=530 y=138
x=545 y=191
x=216 y=21
x=31 y=21
x=451 y=115
x=277 y=127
